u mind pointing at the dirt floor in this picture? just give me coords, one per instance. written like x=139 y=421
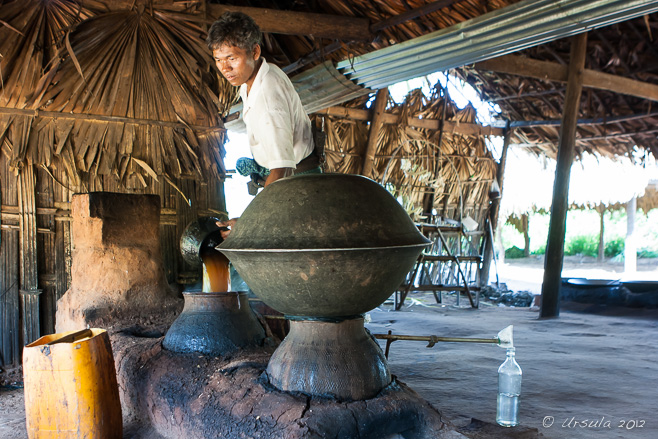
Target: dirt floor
x=591 y=373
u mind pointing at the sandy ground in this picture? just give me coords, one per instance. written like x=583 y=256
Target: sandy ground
x=591 y=373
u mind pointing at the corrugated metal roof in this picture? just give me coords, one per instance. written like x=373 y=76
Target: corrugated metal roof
x=522 y=25
x=323 y=86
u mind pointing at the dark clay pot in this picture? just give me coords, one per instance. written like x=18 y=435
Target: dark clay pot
x=324 y=245
x=338 y=360
x=214 y=324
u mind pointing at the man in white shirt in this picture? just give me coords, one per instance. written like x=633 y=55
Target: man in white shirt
x=278 y=128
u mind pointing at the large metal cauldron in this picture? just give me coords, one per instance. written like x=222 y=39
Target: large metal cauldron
x=324 y=245
x=324 y=249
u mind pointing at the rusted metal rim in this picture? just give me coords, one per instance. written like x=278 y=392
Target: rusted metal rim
x=301 y=250
x=214 y=294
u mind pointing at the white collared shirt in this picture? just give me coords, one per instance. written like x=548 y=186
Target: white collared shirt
x=278 y=128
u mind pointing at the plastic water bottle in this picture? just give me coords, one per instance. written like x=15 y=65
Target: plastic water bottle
x=509 y=389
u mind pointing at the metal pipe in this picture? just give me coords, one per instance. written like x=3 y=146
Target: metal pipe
x=433 y=339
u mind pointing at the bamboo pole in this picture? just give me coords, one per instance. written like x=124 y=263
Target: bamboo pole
x=434 y=339
x=375 y=125
x=86 y=117
x=494 y=208
x=550 y=292
x=29 y=280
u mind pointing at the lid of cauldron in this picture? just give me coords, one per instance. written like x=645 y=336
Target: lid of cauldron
x=323 y=211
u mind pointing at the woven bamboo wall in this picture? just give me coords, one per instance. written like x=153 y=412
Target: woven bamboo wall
x=33 y=279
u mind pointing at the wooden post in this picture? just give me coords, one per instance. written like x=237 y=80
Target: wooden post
x=601 y=210
x=29 y=278
x=491 y=223
x=550 y=291
x=630 y=245
x=375 y=125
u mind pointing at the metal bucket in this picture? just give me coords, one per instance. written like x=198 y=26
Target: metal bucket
x=198 y=235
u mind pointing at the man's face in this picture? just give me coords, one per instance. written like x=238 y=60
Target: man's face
x=237 y=65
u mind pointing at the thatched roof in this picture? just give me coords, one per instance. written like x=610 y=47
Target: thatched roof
x=596 y=183
x=127 y=87
x=129 y=93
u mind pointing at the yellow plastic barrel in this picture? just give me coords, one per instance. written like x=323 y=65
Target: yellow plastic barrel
x=71 y=387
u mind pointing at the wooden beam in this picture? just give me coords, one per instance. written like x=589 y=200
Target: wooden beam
x=550 y=290
x=274 y=21
x=411 y=14
x=375 y=125
x=597 y=121
x=277 y=21
x=550 y=71
x=449 y=127
x=105 y=118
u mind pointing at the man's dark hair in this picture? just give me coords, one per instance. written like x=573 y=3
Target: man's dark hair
x=235 y=29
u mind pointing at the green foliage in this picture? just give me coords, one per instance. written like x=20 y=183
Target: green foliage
x=647 y=253
x=582 y=233
x=614 y=247
x=586 y=245
x=514 y=253
x=541 y=250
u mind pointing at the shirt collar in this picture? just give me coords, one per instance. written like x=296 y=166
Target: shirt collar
x=255 y=87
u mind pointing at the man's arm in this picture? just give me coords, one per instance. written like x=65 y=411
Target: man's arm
x=276 y=174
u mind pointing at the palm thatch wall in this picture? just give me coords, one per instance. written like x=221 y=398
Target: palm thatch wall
x=98 y=100
x=448 y=171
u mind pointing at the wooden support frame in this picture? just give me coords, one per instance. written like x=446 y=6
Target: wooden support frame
x=550 y=291
x=375 y=125
x=449 y=127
